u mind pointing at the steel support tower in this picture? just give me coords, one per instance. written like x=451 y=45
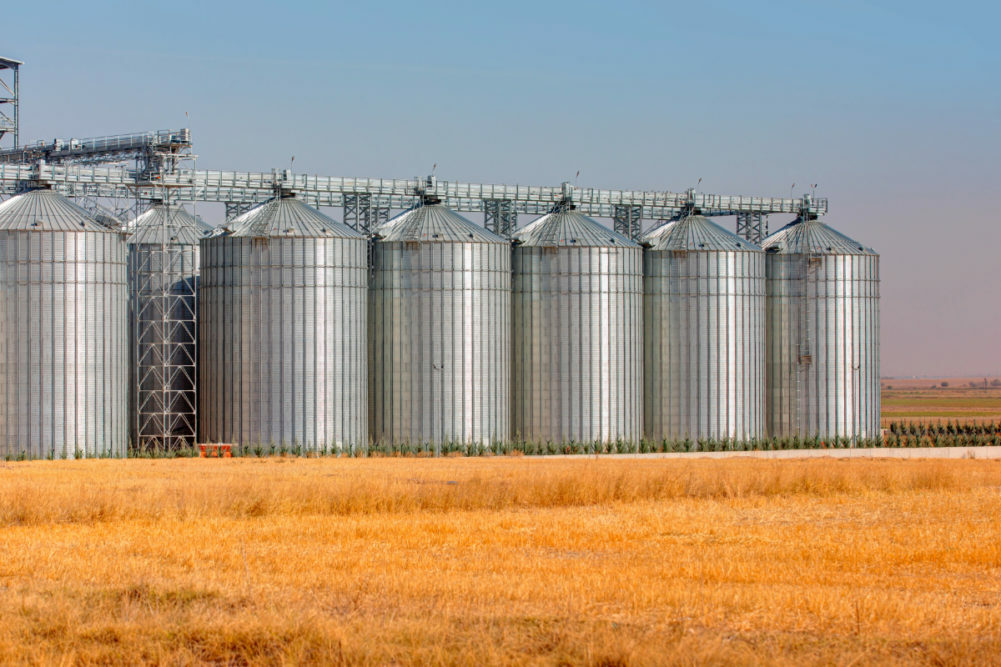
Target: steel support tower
x=165 y=324
x=164 y=321
x=363 y=212
x=10 y=117
x=627 y=220
x=752 y=226
x=500 y=217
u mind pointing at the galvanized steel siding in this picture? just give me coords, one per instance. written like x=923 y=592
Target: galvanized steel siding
x=704 y=344
x=440 y=342
x=823 y=345
x=65 y=384
x=577 y=331
x=282 y=335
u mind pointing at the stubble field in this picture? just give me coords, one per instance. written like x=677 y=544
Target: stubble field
x=500 y=560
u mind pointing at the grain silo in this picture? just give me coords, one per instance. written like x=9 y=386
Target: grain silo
x=282 y=330
x=440 y=325
x=704 y=333
x=163 y=327
x=823 y=333
x=577 y=293
x=65 y=384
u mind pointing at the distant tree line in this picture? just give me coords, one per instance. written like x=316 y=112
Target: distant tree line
x=972 y=384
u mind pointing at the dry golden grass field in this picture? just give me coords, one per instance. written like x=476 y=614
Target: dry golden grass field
x=504 y=560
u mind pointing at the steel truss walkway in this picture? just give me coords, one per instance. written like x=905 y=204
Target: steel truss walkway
x=367 y=200
x=153 y=150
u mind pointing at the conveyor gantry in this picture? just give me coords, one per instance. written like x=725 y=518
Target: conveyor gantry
x=151 y=150
x=367 y=200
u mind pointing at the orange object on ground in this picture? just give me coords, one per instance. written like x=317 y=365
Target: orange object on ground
x=216 y=450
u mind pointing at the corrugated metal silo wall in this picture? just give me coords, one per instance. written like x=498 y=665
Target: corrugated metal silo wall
x=704 y=344
x=153 y=269
x=823 y=345
x=440 y=349
x=282 y=353
x=66 y=375
x=577 y=328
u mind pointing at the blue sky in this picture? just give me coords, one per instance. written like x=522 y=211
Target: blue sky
x=893 y=108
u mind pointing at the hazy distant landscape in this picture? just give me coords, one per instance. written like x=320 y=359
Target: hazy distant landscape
x=941 y=399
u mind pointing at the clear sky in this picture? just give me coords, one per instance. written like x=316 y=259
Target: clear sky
x=893 y=108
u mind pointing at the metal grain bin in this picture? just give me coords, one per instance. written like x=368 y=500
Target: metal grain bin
x=704 y=333
x=163 y=327
x=65 y=384
x=282 y=330
x=823 y=333
x=440 y=322
x=577 y=329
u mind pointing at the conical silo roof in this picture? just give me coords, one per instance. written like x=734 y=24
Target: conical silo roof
x=167 y=224
x=812 y=237
x=285 y=217
x=46 y=210
x=572 y=229
x=434 y=222
x=695 y=232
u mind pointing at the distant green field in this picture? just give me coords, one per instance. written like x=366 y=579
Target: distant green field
x=941 y=404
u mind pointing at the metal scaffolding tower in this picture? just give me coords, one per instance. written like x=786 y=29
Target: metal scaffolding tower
x=164 y=307
x=363 y=212
x=164 y=267
x=500 y=217
x=752 y=226
x=627 y=220
x=9 y=99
